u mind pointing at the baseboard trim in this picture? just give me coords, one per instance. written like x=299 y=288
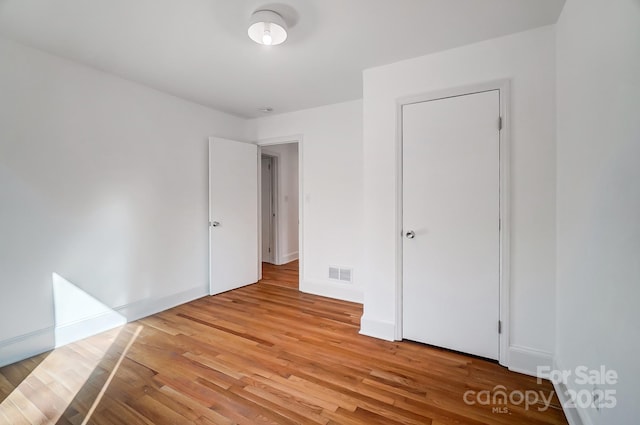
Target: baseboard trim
x=574 y=415
x=527 y=360
x=377 y=329
x=26 y=345
x=33 y=343
x=143 y=308
x=339 y=291
x=287 y=258
x=67 y=333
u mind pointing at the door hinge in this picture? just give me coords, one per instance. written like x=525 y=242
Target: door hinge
x=269 y=249
x=499 y=123
x=499 y=326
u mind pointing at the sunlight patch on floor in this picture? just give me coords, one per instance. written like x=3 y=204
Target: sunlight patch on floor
x=49 y=390
x=45 y=394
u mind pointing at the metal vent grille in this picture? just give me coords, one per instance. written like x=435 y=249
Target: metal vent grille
x=334 y=273
x=345 y=275
x=342 y=274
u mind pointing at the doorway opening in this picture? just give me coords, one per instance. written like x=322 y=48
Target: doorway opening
x=280 y=213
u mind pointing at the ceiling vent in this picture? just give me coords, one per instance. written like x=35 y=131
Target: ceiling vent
x=342 y=274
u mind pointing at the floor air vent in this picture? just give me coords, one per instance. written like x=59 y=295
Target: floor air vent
x=342 y=274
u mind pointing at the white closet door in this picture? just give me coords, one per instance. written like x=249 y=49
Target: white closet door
x=451 y=223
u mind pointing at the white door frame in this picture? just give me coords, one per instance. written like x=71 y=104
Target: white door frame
x=275 y=184
x=296 y=138
x=503 y=86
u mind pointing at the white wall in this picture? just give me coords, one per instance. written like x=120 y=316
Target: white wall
x=528 y=60
x=332 y=184
x=287 y=155
x=105 y=183
x=598 y=206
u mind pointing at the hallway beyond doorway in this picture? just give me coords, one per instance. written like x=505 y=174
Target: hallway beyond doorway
x=286 y=275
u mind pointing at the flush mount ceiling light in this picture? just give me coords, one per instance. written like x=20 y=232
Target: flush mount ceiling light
x=268 y=28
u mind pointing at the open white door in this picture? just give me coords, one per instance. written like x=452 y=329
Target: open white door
x=233 y=215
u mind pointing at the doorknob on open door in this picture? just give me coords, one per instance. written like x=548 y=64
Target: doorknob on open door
x=410 y=234
x=214 y=224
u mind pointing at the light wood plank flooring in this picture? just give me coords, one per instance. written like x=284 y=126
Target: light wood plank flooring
x=263 y=354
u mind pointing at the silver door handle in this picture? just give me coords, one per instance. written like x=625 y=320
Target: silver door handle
x=410 y=234
x=214 y=224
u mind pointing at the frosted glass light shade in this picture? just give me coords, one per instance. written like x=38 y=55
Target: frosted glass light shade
x=268 y=28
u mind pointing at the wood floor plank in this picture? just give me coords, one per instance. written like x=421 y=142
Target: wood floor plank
x=261 y=354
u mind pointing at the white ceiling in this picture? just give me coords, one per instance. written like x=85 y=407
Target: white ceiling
x=199 y=49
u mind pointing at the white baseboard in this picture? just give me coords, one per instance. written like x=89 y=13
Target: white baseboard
x=377 y=329
x=572 y=414
x=575 y=415
x=26 y=345
x=527 y=360
x=147 y=307
x=287 y=258
x=340 y=291
x=87 y=326
x=33 y=343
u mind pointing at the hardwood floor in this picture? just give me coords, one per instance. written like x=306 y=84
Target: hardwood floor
x=263 y=354
x=285 y=275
